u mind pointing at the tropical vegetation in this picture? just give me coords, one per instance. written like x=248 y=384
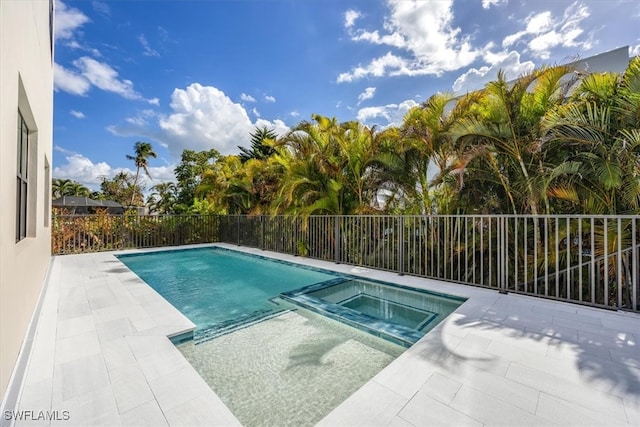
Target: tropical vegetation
x=552 y=141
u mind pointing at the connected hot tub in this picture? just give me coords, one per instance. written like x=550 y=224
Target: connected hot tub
x=397 y=313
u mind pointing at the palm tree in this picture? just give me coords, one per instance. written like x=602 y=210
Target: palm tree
x=66 y=187
x=260 y=149
x=597 y=134
x=163 y=198
x=60 y=187
x=506 y=137
x=332 y=168
x=312 y=181
x=427 y=148
x=143 y=150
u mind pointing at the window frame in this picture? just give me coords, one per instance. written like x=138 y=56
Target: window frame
x=22 y=181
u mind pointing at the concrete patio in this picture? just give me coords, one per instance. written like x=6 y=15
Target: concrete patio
x=101 y=353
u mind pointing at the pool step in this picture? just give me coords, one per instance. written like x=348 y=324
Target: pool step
x=224 y=328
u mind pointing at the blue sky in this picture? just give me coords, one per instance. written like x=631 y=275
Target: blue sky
x=202 y=74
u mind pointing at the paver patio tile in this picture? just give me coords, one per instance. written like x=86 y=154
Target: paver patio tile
x=372 y=405
x=441 y=388
x=147 y=414
x=178 y=387
x=78 y=377
x=569 y=414
x=114 y=329
x=406 y=374
x=491 y=411
x=131 y=392
x=200 y=412
x=423 y=410
x=497 y=386
x=77 y=347
x=75 y=326
x=575 y=393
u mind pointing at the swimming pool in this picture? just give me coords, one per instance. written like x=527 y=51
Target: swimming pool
x=217 y=288
x=276 y=341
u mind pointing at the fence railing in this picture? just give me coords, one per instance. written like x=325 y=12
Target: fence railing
x=593 y=260
x=91 y=233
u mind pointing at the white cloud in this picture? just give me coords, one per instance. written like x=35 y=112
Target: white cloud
x=102 y=8
x=256 y=112
x=376 y=68
x=269 y=98
x=162 y=173
x=82 y=169
x=146 y=49
x=204 y=117
x=137 y=121
x=350 y=17
x=62 y=150
x=89 y=72
x=102 y=76
x=201 y=118
x=367 y=94
x=77 y=114
x=424 y=31
x=247 y=98
x=74 y=44
x=164 y=34
x=544 y=32
x=393 y=114
x=294 y=114
x=488 y=3
x=68 y=19
x=278 y=126
x=476 y=78
x=69 y=81
x=142 y=117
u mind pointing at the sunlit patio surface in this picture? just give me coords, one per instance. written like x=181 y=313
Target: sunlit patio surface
x=101 y=353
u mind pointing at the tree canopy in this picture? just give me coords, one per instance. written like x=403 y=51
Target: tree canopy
x=550 y=142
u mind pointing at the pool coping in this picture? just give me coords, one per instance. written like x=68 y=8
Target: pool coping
x=101 y=351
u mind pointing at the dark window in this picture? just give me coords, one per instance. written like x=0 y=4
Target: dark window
x=22 y=179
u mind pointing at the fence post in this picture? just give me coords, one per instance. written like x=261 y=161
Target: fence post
x=400 y=245
x=238 y=228
x=336 y=235
x=502 y=255
x=294 y=225
x=262 y=232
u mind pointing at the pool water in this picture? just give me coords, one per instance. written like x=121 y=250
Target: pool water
x=408 y=316
x=214 y=287
x=290 y=370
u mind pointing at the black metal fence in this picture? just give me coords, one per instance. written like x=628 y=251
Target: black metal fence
x=593 y=260
x=72 y=234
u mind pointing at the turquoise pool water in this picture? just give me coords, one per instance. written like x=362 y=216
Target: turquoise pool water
x=216 y=286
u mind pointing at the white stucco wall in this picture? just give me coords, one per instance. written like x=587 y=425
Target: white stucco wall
x=26 y=80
